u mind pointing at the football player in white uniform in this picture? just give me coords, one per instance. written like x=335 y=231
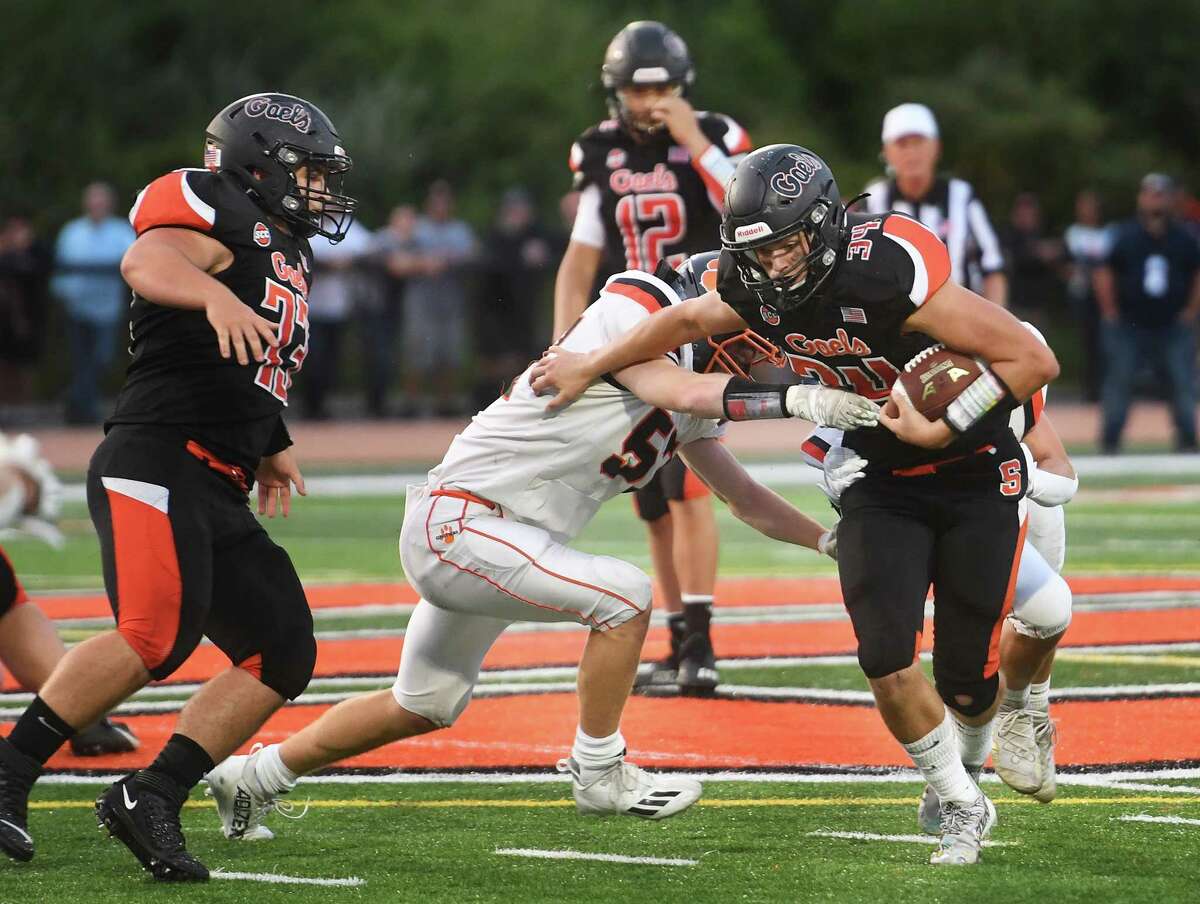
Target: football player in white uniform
x=1023 y=747
x=30 y=502
x=484 y=542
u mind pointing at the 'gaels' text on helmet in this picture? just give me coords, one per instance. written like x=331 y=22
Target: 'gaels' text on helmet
x=776 y=192
x=263 y=140
x=644 y=53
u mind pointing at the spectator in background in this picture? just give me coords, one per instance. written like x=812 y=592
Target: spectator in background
x=393 y=260
x=1086 y=242
x=948 y=206
x=1033 y=261
x=87 y=280
x=518 y=255
x=25 y=263
x=435 y=308
x=339 y=282
x=1148 y=291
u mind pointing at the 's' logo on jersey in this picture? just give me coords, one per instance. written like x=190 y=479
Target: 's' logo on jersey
x=295 y=115
x=790 y=182
x=616 y=158
x=769 y=315
x=262 y=235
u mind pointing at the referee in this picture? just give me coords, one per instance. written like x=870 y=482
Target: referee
x=948 y=206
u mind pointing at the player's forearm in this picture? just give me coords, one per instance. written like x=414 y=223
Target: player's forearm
x=1026 y=369
x=676 y=389
x=163 y=275
x=572 y=286
x=773 y=516
x=995 y=289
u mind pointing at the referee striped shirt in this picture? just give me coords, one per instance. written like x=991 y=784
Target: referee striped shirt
x=953 y=212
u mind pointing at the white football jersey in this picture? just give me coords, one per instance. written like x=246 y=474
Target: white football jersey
x=554 y=470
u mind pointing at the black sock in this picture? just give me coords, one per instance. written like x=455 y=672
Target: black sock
x=40 y=731
x=677 y=629
x=697 y=615
x=183 y=761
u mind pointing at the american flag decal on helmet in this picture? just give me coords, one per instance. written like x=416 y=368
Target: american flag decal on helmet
x=212 y=157
x=854 y=315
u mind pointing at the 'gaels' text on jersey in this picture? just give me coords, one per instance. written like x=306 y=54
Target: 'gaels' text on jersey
x=654 y=201
x=554 y=471
x=850 y=335
x=177 y=376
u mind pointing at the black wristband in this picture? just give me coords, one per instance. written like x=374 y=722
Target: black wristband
x=745 y=400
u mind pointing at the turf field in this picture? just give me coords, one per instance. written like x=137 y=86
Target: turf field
x=802 y=753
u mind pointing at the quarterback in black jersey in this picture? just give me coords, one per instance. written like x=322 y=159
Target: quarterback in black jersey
x=850 y=299
x=219 y=325
x=651 y=180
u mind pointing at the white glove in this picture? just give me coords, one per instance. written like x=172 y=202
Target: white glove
x=22 y=452
x=831 y=407
x=827 y=543
x=840 y=468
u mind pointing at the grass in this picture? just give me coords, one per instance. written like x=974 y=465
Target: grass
x=751 y=841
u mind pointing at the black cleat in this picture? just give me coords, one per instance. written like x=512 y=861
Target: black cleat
x=142 y=812
x=103 y=738
x=698 y=676
x=664 y=673
x=17 y=775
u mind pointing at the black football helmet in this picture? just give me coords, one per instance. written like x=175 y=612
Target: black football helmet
x=736 y=353
x=779 y=191
x=644 y=53
x=263 y=139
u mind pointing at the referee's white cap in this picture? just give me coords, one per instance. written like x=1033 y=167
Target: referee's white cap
x=909 y=119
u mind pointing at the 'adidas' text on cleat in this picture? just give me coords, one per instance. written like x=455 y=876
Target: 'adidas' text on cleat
x=631 y=791
x=142 y=812
x=964 y=826
x=17 y=775
x=242 y=803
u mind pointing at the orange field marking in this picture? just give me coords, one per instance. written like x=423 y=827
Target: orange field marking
x=730 y=592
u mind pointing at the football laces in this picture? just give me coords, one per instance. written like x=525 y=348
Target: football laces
x=922 y=355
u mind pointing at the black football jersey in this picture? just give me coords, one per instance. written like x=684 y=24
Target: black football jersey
x=849 y=336
x=177 y=376
x=656 y=202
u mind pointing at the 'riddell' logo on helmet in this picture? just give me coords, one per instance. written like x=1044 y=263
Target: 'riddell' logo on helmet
x=790 y=182
x=751 y=231
x=295 y=115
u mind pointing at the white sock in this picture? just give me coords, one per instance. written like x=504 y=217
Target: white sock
x=1039 y=696
x=974 y=744
x=597 y=754
x=271 y=772
x=937 y=756
x=1015 y=699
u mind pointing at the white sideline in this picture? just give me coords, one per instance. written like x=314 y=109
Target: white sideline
x=607 y=858
x=277 y=879
x=904 y=839
x=1168 y=820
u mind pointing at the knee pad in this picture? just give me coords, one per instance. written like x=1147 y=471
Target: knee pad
x=633 y=584
x=439 y=697
x=1042 y=609
x=979 y=695
x=880 y=655
x=287 y=666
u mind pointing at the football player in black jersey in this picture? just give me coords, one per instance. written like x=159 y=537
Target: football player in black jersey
x=850 y=299
x=651 y=180
x=220 y=250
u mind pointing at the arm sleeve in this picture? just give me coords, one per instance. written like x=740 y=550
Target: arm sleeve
x=929 y=257
x=280 y=438
x=174 y=200
x=589 y=227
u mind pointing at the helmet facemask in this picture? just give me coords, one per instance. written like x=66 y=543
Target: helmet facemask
x=325 y=210
x=618 y=107
x=738 y=354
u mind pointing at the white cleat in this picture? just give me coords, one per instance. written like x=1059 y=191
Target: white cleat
x=1045 y=735
x=964 y=826
x=1015 y=754
x=241 y=801
x=929 y=810
x=631 y=791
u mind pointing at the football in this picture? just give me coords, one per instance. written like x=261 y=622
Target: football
x=935 y=378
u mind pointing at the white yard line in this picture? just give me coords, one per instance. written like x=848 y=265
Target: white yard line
x=903 y=839
x=1167 y=820
x=277 y=879
x=606 y=858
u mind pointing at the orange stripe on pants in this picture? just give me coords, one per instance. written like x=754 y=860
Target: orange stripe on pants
x=149 y=590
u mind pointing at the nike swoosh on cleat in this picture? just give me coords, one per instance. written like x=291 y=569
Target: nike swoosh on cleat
x=129 y=804
x=20 y=831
